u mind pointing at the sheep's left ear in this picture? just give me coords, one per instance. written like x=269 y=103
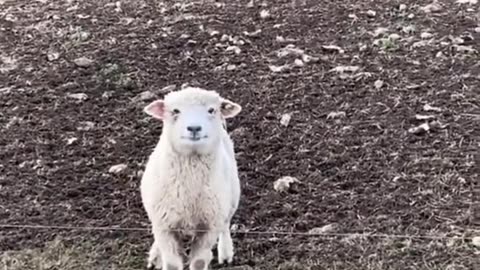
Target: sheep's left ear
x=229 y=109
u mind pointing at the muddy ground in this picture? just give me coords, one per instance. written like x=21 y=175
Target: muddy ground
x=384 y=105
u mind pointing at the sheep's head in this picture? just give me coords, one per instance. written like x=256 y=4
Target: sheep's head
x=193 y=118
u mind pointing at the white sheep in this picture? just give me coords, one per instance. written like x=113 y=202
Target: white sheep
x=191 y=180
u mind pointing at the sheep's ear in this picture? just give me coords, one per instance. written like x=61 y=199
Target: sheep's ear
x=155 y=109
x=229 y=109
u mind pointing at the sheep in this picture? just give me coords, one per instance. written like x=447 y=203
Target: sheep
x=191 y=182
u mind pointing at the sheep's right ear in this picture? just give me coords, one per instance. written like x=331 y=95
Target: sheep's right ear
x=156 y=109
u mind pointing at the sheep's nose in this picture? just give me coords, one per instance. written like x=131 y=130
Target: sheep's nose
x=194 y=129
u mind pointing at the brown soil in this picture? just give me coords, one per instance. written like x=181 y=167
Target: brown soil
x=348 y=141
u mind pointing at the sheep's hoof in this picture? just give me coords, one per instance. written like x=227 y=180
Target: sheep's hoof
x=172 y=267
x=199 y=265
x=152 y=266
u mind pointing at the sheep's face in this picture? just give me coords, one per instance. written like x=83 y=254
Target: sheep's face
x=193 y=118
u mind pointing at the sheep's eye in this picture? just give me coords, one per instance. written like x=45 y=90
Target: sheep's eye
x=175 y=111
x=211 y=110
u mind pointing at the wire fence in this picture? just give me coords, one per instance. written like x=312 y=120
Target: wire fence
x=245 y=232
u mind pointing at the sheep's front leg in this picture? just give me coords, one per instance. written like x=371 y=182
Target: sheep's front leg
x=225 y=246
x=154 y=257
x=168 y=246
x=201 y=254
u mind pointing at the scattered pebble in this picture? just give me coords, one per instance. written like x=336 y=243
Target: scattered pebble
x=85 y=126
x=380 y=31
x=145 y=95
x=371 y=13
x=298 y=63
x=285 y=120
x=235 y=49
x=432 y=7
x=429 y=108
x=71 y=140
x=336 y=115
x=323 y=229
x=394 y=37
x=470 y=2
x=83 y=62
x=78 y=96
x=276 y=69
x=253 y=34
x=476 y=241
x=117 y=168
x=342 y=69
x=426 y=35
x=290 y=49
x=422 y=117
x=168 y=88
x=409 y=29
x=464 y=49
x=421 y=129
x=283 y=184
x=264 y=14
x=52 y=56
x=378 y=84
x=280 y=39
x=333 y=48
x=402 y=7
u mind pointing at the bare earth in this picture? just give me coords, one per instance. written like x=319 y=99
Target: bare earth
x=374 y=108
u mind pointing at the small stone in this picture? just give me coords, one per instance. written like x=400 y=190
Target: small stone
x=433 y=7
x=231 y=67
x=117 y=168
x=336 y=115
x=52 y=56
x=264 y=14
x=402 y=7
x=145 y=95
x=168 y=88
x=378 y=84
x=71 y=140
x=394 y=37
x=280 y=39
x=426 y=35
x=371 y=13
x=299 y=63
x=476 y=241
x=322 y=230
x=421 y=129
x=285 y=120
x=78 y=96
x=283 y=184
x=83 y=62
x=235 y=49
x=85 y=126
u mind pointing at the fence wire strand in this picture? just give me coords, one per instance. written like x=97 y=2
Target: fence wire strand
x=245 y=232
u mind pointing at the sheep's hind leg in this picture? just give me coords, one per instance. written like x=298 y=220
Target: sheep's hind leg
x=225 y=246
x=168 y=247
x=201 y=254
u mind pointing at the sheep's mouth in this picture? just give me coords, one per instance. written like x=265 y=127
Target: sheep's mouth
x=194 y=138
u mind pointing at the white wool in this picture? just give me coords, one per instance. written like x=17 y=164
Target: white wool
x=195 y=191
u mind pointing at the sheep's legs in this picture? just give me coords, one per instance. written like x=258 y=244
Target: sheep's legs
x=201 y=254
x=225 y=246
x=168 y=246
x=154 y=257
